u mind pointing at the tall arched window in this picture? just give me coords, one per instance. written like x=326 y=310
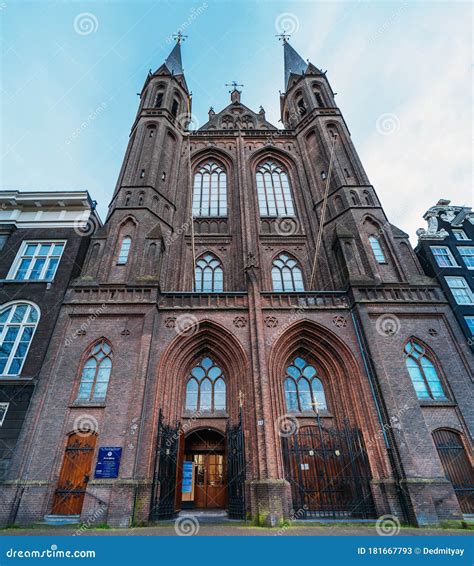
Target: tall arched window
x=286 y=275
x=124 y=250
x=377 y=249
x=206 y=389
x=274 y=195
x=96 y=373
x=303 y=389
x=18 y=322
x=209 y=275
x=422 y=372
x=210 y=190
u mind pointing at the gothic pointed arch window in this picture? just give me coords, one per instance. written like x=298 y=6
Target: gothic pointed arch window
x=210 y=190
x=304 y=390
x=206 y=388
x=124 y=250
x=18 y=322
x=209 y=276
x=423 y=372
x=286 y=274
x=95 y=373
x=273 y=189
x=377 y=249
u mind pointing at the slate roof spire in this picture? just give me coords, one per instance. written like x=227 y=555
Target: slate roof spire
x=173 y=62
x=294 y=64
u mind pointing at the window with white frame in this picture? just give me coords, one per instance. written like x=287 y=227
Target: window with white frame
x=377 y=249
x=3 y=412
x=467 y=254
x=96 y=373
x=286 y=274
x=37 y=261
x=210 y=190
x=273 y=189
x=461 y=291
x=423 y=372
x=18 y=322
x=460 y=235
x=443 y=256
x=209 y=276
x=124 y=251
x=470 y=324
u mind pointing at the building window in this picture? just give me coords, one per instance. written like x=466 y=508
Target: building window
x=286 y=275
x=301 y=106
x=3 y=240
x=209 y=275
x=460 y=235
x=37 y=261
x=96 y=373
x=470 y=324
x=303 y=389
x=124 y=251
x=174 y=108
x=274 y=196
x=461 y=291
x=467 y=254
x=18 y=323
x=210 y=191
x=443 y=256
x=319 y=99
x=159 y=100
x=206 y=389
x=422 y=372
x=3 y=412
x=377 y=249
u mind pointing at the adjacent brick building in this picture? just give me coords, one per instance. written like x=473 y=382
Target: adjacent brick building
x=248 y=332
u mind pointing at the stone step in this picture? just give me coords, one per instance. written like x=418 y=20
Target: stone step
x=62 y=519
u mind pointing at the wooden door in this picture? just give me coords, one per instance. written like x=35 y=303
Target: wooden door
x=210 y=489
x=457 y=467
x=75 y=471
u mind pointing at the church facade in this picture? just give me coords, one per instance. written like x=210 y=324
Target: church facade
x=248 y=333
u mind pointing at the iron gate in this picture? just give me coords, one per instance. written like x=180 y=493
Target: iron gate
x=329 y=473
x=164 y=477
x=236 y=470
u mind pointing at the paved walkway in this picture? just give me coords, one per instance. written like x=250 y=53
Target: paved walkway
x=233 y=530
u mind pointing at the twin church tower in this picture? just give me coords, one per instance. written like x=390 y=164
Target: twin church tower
x=248 y=332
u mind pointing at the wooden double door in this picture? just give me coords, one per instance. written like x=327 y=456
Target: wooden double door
x=75 y=471
x=210 y=485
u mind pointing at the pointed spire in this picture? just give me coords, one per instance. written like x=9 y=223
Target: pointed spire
x=294 y=64
x=173 y=61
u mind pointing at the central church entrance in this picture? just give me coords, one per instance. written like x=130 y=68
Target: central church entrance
x=204 y=484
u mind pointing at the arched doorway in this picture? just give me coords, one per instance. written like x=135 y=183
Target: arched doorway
x=204 y=484
x=457 y=466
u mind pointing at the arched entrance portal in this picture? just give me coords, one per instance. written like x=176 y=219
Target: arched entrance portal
x=204 y=483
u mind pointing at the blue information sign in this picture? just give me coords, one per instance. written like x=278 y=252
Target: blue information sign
x=187 y=477
x=108 y=462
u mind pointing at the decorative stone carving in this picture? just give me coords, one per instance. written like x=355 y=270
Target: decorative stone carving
x=271 y=321
x=432 y=233
x=170 y=322
x=240 y=322
x=433 y=332
x=339 y=321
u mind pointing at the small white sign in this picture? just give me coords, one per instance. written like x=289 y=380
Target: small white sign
x=305 y=466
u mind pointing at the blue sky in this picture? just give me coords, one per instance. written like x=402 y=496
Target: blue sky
x=70 y=72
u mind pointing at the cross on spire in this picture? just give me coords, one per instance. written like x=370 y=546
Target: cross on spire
x=179 y=37
x=233 y=84
x=283 y=37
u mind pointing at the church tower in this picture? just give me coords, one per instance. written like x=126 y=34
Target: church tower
x=248 y=314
